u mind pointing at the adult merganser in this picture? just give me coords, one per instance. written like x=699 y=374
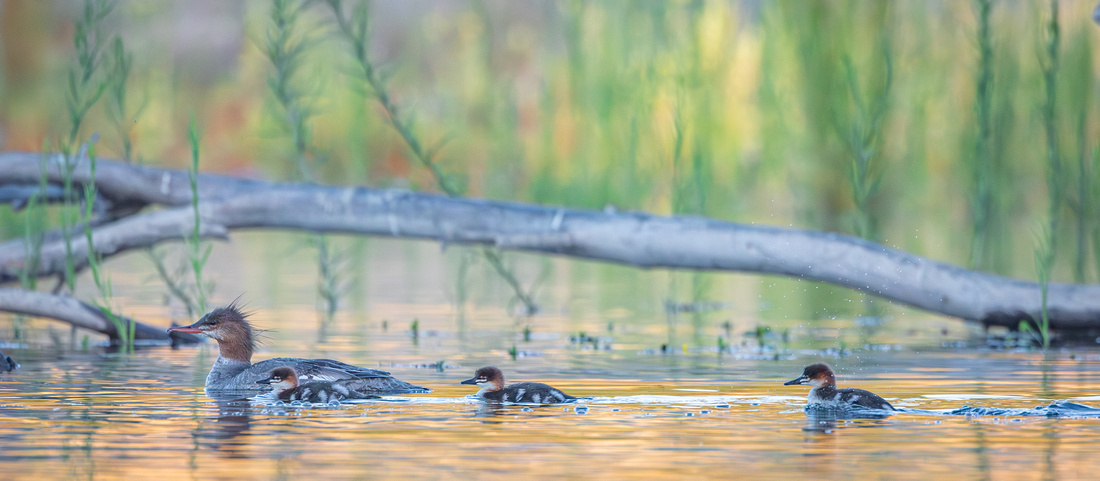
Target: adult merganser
x=491 y=382
x=234 y=371
x=825 y=394
x=284 y=382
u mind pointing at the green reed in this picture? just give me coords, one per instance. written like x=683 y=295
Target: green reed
x=121 y=63
x=1044 y=262
x=356 y=32
x=1094 y=199
x=1081 y=204
x=862 y=134
x=689 y=189
x=1081 y=209
x=981 y=201
x=330 y=264
x=1050 y=127
x=1045 y=252
x=85 y=87
x=125 y=331
x=197 y=256
x=287 y=48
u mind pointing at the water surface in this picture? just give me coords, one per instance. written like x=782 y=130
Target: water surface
x=686 y=410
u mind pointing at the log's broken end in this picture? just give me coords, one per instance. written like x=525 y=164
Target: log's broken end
x=7 y=364
x=1068 y=327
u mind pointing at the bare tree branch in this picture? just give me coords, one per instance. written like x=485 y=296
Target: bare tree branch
x=69 y=309
x=633 y=238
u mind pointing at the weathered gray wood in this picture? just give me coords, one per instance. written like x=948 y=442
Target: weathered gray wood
x=631 y=238
x=69 y=309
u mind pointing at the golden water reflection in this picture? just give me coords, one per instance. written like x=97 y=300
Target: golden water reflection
x=140 y=417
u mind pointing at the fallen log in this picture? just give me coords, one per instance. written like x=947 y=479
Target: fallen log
x=80 y=314
x=632 y=238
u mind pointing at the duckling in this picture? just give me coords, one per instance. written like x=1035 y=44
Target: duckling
x=284 y=380
x=491 y=382
x=825 y=394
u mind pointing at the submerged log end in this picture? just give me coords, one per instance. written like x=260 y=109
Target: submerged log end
x=1075 y=325
x=7 y=364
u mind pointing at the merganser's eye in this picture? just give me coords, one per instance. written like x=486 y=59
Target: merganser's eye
x=212 y=322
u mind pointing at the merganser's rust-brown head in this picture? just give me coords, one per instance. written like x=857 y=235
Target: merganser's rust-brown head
x=487 y=378
x=816 y=375
x=229 y=326
x=281 y=379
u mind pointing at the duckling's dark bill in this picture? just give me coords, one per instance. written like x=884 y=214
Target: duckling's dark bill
x=264 y=381
x=472 y=380
x=797 y=380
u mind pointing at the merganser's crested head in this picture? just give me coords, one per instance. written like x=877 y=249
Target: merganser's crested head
x=281 y=379
x=487 y=378
x=229 y=326
x=816 y=375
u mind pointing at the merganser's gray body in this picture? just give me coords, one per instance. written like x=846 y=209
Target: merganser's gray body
x=234 y=370
x=234 y=375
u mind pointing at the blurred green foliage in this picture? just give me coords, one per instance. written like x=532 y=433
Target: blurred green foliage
x=743 y=111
